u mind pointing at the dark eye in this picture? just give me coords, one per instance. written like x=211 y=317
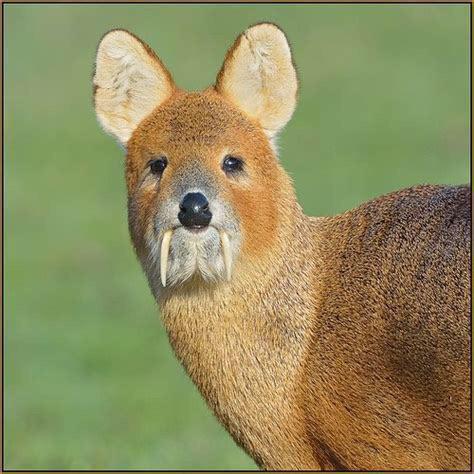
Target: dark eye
x=232 y=164
x=158 y=165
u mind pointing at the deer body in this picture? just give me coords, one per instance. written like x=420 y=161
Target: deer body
x=319 y=343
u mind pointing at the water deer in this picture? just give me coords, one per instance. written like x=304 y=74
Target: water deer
x=326 y=343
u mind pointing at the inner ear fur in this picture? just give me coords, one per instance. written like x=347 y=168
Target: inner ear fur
x=258 y=75
x=130 y=81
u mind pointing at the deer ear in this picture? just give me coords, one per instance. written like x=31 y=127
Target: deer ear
x=130 y=81
x=259 y=77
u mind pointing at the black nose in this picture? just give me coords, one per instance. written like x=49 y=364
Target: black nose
x=194 y=211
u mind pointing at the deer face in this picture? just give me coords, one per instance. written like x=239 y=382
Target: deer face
x=205 y=189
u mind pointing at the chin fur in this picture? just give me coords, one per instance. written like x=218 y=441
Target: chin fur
x=191 y=255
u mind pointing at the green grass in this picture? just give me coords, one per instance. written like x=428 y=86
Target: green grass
x=90 y=380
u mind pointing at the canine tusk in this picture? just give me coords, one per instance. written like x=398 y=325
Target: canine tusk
x=165 y=248
x=227 y=256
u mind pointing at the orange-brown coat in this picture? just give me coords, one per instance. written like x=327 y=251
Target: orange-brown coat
x=340 y=342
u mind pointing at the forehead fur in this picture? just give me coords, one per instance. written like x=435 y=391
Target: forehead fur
x=201 y=118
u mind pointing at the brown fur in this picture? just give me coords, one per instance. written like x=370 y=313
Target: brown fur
x=341 y=342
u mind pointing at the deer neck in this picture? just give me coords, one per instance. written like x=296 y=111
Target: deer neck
x=243 y=344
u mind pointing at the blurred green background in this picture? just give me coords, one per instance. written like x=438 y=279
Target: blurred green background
x=90 y=380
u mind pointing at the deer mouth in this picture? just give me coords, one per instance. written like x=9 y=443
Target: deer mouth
x=165 y=250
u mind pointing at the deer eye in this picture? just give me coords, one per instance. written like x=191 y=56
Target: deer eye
x=158 y=165
x=232 y=164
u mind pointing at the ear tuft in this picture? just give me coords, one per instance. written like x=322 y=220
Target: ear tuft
x=258 y=75
x=130 y=81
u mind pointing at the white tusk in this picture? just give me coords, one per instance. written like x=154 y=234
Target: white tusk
x=165 y=248
x=227 y=256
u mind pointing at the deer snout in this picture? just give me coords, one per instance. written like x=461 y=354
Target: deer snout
x=194 y=211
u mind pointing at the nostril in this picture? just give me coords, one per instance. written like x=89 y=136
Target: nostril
x=194 y=211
